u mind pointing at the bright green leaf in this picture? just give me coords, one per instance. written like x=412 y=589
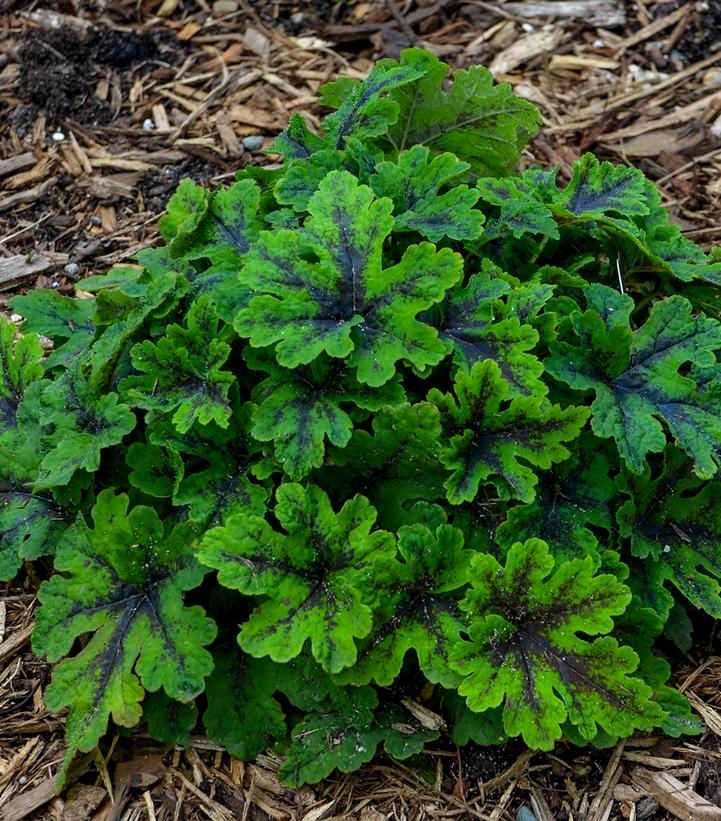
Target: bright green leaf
x=183 y=371
x=492 y=439
x=343 y=302
x=525 y=652
x=312 y=575
x=414 y=184
x=121 y=581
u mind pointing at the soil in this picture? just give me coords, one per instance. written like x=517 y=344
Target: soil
x=60 y=69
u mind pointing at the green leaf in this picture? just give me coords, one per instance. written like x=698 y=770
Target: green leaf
x=186 y=209
x=525 y=652
x=156 y=471
x=298 y=410
x=635 y=376
x=303 y=178
x=312 y=575
x=673 y=522
x=30 y=526
x=219 y=464
x=414 y=184
x=520 y=211
x=121 y=581
x=346 y=736
x=364 y=110
x=342 y=301
x=574 y=499
x=418 y=609
x=480 y=122
x=297 y=142
x=228 y=228
x=183 y=371
x=151 y=298
x=20 y=364
x=492 y=438
x=638 y=627
x=81 y=422
x=168 y=720
x=242 y=714
x=396 y=464
x=472 y=323
x=64 y=320
x=484 y=728
x=597 y=189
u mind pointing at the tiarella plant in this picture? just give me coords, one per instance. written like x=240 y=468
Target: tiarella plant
x=386 y=443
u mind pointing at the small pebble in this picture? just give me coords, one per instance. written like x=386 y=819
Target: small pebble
x=599 y=43
x=253 y=142
x=58 y=136
x=712 y=77
x=527 y=27
x=95 y=220
x=716 y=127
x=148 y=124
x=22 y=780
x=72 y=268
x=525 y=813
x=297 y=18
x=225 y=6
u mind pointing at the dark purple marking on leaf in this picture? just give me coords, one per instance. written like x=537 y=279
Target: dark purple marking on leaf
x=585 y=199
x=234 y=233
x=38 y=508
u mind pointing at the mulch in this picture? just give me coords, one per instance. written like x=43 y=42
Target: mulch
x=107 y=104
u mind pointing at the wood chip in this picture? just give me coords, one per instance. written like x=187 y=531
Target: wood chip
x=40 y=171
x=231 y=143
x=525 y=49
x=711 y=717
x=112 y=186
x=577 y=62
x=595 y=12
x=24 y=197
x=675 y=796
x=17 y=163
x=257 y=42
x=684 y=114
x=19 y=638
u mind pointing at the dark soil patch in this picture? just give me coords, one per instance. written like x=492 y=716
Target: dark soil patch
x=703 y=33
x=60 y=69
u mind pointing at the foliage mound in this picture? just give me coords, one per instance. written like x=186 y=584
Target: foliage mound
x=387 y=443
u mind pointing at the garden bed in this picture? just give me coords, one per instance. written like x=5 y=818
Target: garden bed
x=108 y=111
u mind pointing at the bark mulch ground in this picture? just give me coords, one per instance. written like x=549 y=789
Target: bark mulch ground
x=106 y=104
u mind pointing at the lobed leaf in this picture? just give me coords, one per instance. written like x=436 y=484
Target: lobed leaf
x=68 y=322
x=486 y=441
x=480 y=122
x=673 y=522
x=418 y=610
x=343 y=302
x=298 y=410
x=311 y=576
x=121 y=581
x=476 y=326
x=414 y=185
x=525 y=652
x=183 y=372
x=242 y=714
x=80 y=423
x=635 y=376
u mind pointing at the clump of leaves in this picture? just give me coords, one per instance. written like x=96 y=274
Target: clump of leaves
x=379 y=426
